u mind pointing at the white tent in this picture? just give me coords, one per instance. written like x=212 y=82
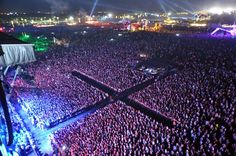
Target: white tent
x=14 y=51
x=15 y=54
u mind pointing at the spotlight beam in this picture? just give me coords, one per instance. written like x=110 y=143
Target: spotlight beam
x=170 y=7
x=94 y=7
x=192 y=7
x=162 y=6
x=177 y=6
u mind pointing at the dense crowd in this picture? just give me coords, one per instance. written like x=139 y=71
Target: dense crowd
x=23 y=140
x=118 y=129
x=202 y=103
x=192 y=90
x=200 y=97
x=110 y=62
x=23 y=143
x=57 y=95
x=114 y=130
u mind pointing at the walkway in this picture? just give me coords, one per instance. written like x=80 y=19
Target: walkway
x=124 y=96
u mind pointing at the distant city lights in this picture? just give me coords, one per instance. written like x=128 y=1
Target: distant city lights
x=169 y=14
x=71 y=18
x=110 y=15
x=198 y=24
x=219 y=10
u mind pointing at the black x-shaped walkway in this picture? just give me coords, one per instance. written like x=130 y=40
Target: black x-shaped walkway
x=124 y=95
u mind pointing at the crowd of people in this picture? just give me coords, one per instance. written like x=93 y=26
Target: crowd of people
x=114 y=130
x=200 y=97
x=111 y=62
x=24 y=142
x=120 y=129
x=56 y=94
x=200 y=102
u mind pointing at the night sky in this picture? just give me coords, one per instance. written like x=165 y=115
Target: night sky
x=111 y=5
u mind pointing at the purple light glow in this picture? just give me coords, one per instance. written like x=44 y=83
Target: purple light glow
x=231 y=32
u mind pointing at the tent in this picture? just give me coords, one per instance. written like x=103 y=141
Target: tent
x=226 y=32
x=14 y=52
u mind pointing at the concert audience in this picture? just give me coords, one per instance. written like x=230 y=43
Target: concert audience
x=200 y=97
